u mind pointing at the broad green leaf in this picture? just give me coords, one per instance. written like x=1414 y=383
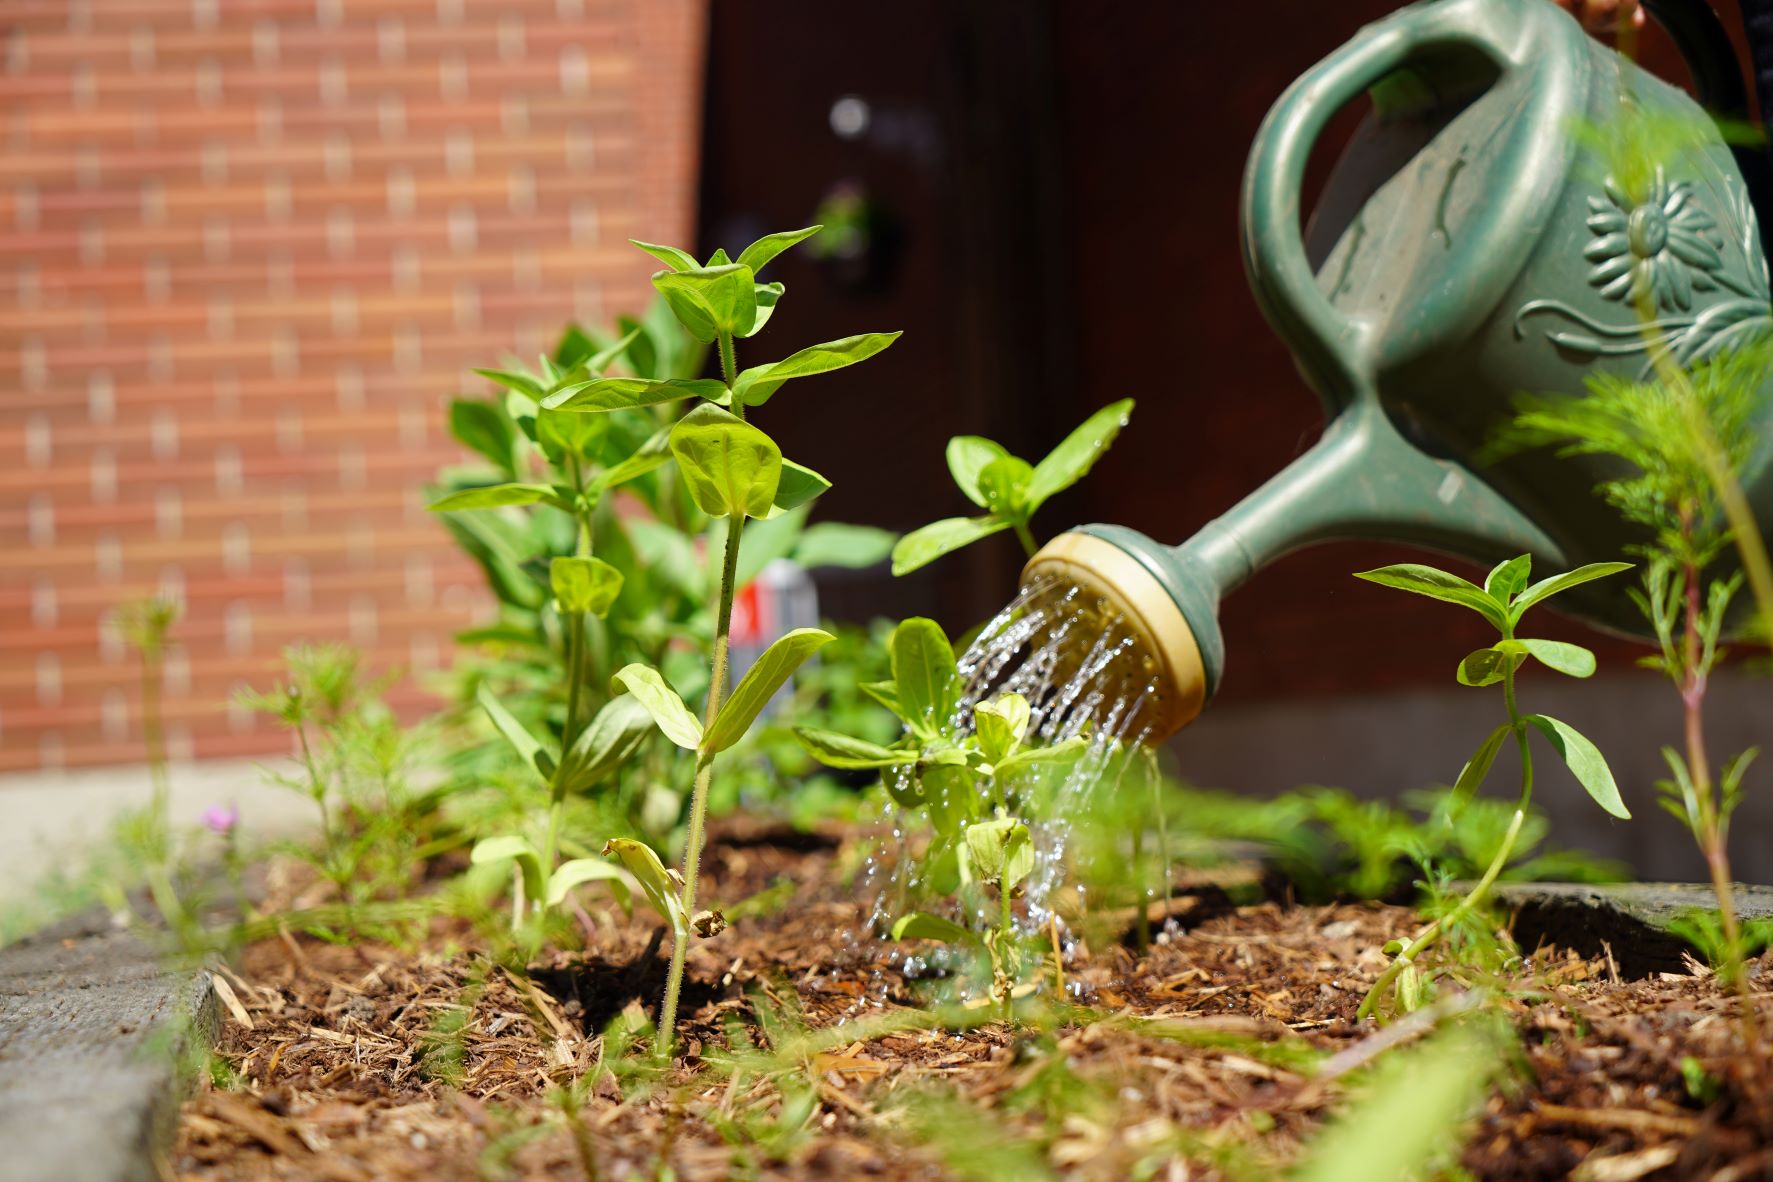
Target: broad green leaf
x=709 y=301
x=999 y=851
x=1000 y=725
x=613 y=736
x=967 y=457
x=1066 y=464
x=926 y=674
x=760 y=683
x=603 y=394
x=757 y=384
x=654 y=453
x=831 y=543
x=582 y=870
x=1471 y=776
x=731 y=468
x=1486 y=666
x=584 y=584
x=1066 y=752
x=1437 y=584
x=1004 y=485
x=1585 y=762
x=843 y=751
x=1508 y=579
x=923 y=546
x=1546 y=588
x=526 y=744
x=520 y=383
x=921 y=925
x=562 y=434
x=682 y=260
x=651 y=690
x=1570 y=659
x=655 y=882
x=771 y=245
x=574 y=346
x=498 y=496
x=511 y=848
x=886 y=693
x=481 y=426
x=798 y=485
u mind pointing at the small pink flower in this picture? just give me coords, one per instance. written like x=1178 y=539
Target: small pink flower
x=221 y=818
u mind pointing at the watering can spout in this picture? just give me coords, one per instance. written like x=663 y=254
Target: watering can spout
x=1468 y=247
x=1361 y=480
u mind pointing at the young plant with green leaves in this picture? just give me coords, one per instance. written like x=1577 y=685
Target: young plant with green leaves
x=146 y=834
x=1671 y=432
x=1502 y=601
x=1008 y=488
x=734 y=472
x=963 y=779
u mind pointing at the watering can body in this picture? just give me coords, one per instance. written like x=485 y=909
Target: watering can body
x=1469 y=246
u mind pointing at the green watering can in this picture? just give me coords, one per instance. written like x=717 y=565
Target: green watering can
x=1468 y=247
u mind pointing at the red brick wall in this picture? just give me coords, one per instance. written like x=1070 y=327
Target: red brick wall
x=247 y=248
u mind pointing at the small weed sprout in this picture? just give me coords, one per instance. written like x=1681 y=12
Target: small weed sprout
x=1502 y=601
x=1007 y=487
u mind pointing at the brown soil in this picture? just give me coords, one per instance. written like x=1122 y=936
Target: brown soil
x=1182 y=1069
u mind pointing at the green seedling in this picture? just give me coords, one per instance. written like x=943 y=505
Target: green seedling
x=963 y=782
x=733 y=472
x=146 y=626
x=1686 y=436
x=1007 y=487
x=583 y=590
x=1501 y=601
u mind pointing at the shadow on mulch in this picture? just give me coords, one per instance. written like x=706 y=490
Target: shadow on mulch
x=594 y=990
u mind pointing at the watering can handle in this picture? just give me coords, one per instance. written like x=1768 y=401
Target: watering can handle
x=1331 y=347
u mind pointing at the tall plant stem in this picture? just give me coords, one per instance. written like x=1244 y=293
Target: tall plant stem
x=1477 y=894
x=1026 y=538
x=1717 y=855
x=692 y=849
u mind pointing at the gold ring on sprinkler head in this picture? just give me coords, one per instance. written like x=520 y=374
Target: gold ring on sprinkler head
x=1150 y=613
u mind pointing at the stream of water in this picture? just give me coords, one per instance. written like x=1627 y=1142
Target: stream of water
x=1084 y=673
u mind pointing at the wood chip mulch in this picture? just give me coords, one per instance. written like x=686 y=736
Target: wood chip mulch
x=368 y=1063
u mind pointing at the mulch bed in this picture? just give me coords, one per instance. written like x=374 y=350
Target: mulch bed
x=433 y=1063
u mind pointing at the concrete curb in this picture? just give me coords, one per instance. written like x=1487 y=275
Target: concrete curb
x=93 y=1031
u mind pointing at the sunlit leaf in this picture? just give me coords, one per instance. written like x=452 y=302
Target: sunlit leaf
x=1000 y=724
x=584 y=584
x=923 y=546
x=967 y=457
x=769 y=246
x=926 y=674
x=526 y=744
x=582 y=870
x=652 y=691
x=614 y=735
x=1066 y=464
x=1437 y=584
x=1546 y=588
x=731 y=468
x=843 y=751
x=1509 y=579
x=757 y=384
x=655 y=882
x=510 y=848
x=604 y=394
x=498 y=496
x=1585 y=762
x=921 y=925
x=760 y=683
